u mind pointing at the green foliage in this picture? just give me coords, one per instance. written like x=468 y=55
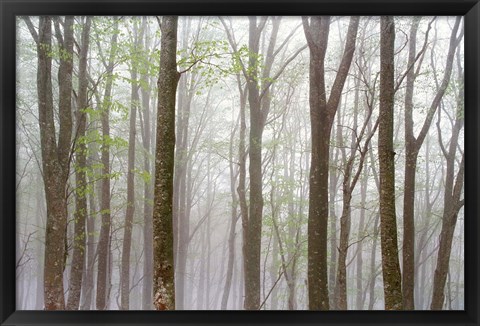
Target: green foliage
x=145 y=175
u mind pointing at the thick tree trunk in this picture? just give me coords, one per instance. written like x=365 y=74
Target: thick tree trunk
x=164 y=283
x=322 y=114
x=55 y=157
x=79 y=243
x=392 y=278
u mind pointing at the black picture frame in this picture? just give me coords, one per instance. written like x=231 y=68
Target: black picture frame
x=9 y=9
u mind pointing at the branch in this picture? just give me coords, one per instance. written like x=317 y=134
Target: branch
x=267 y=86
x=31 y=28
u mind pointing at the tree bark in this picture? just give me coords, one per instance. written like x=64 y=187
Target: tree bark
x=254 y=230
x=388 y=225
x=322 y=114
x=79 y=242
x=164 y=283
x=55 y=156
x=103 y=248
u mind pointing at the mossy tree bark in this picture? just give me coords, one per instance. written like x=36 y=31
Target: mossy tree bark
x=392 y=278
x=163 y=279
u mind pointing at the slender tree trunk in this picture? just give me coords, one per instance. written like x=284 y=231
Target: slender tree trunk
x=40 y=204
x=254 y=230
x=412 y=148
x=452 y=204
x=147 y=286
x=180 y=216
x=359 y=300
x=103 y=248
x=233 y=224
x=79 y=244
x=88 y=280
x=333 y=176
x=164 y=283
x=130 y=210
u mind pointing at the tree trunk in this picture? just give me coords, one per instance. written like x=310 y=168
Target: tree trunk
x=79 y=243
x=452 y=204
x=164 y=283
x=180 y=216
x=103 y=248
x=412 y=148
x=322 y=114
x=254 y=230
x=130 y=210
x=392 y=278
x=147 y=286
x=233 y=225
x=55 y=157
x=359 y=300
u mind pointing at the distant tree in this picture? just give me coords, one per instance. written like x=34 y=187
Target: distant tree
x=104 y=238
x=452 y=199
x=413 y=145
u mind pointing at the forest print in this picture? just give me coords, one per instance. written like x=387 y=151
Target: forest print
x=240 y=163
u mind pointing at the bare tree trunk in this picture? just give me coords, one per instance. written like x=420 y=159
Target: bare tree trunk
x=333 y=186
x=41 y=213
x=182 y=157
x=254 y=230
x=412 y=148
x=88 y=279
x=164 y=283
x=350 y=179
x=103 y=248
x=79 y=244
x=55 y=156
x=233 y=224
x=130 y=210
x=452 y=204
x=322 y=114
x=359 y=300
x=147 y=286
x=392 y=278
